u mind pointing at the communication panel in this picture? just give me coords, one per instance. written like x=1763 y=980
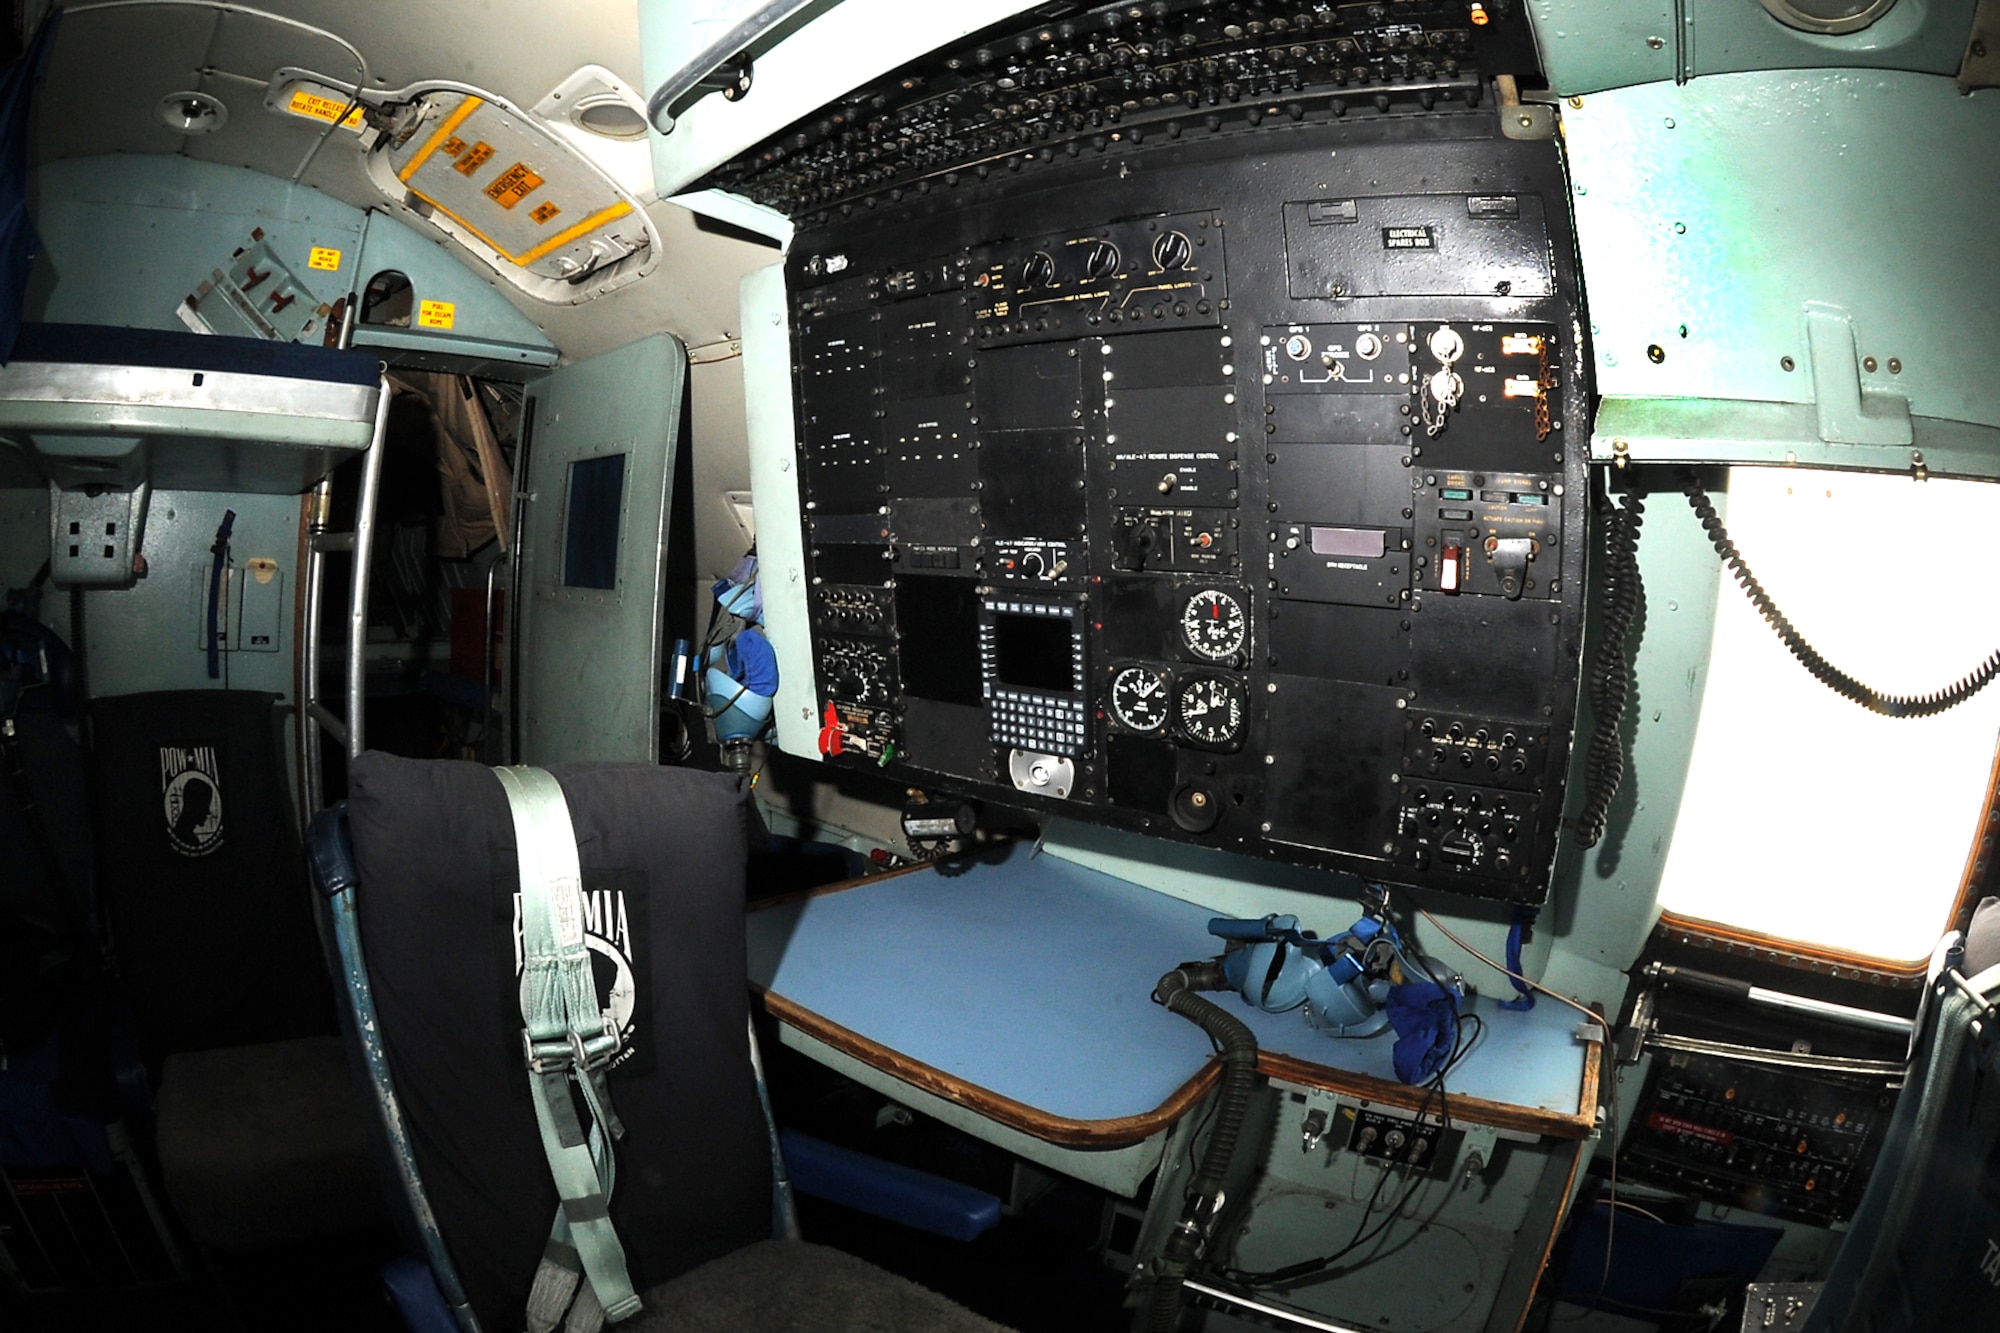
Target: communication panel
x=1192 y=418
x=1789 y=1143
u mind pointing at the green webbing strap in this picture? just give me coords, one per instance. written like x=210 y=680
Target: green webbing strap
x=569 y=1035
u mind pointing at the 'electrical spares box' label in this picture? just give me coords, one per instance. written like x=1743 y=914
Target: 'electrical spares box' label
x=1408 y=238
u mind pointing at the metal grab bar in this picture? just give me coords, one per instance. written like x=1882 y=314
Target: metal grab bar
x=350 y=733
x=714 y=56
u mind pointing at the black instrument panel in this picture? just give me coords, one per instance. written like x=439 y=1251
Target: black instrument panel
x=1222 y=485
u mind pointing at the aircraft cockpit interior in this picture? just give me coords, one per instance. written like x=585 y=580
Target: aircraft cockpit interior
x=1176 y=665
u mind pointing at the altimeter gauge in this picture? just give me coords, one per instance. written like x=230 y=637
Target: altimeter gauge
x=1213 y=625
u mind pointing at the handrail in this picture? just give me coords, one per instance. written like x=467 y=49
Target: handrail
x=713 y=56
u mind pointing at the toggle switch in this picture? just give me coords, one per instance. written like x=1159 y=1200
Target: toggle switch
x=1510 y=557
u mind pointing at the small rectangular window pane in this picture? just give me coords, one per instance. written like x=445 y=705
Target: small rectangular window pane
x=590 y=527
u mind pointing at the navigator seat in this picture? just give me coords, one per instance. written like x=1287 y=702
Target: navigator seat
x=426 y=914
x=1923 y=1251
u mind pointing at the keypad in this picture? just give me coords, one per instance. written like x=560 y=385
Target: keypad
x=1026 y=720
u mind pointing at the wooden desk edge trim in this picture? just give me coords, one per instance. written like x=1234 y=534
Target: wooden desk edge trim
x=1060 y=1130
x=1411 y=1097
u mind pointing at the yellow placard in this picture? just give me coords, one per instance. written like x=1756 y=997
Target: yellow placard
x=543 y=211
x=475 y=157
x=436 y=314
x=323 y=257
x=513 y=185
x=328 y=109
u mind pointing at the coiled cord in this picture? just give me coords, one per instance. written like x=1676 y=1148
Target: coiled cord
x=1875 y=701
x=1611 y=672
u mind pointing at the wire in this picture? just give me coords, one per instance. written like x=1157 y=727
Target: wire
x=1610 y=1080
x=1596 y=1019
x=1874 y=700
x=1647 y=1213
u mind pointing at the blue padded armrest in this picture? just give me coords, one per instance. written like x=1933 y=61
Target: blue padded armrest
x=887 y=1189
x=115 y=345
x=328 y=852
x=414 y=1293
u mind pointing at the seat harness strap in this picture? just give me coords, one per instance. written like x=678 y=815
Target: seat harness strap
x=569 y=1037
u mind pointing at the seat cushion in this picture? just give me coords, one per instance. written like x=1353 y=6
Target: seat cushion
x=780 y=1286
x=662 y=853
x=265 y=1146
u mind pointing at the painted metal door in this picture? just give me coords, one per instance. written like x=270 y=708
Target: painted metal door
x=593 y=554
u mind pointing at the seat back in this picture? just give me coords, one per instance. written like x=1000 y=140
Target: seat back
x=198 y=870
x=1923 y=1250
x=662 y=855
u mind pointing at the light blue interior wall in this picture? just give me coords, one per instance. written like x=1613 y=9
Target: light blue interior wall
x=127 y=238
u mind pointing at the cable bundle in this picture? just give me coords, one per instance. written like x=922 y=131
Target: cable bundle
x=1611 y=672
x=1889 y=705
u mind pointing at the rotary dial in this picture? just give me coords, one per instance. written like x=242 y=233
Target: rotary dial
x=1213 y=625
x=1211 y=710
x=1139 y=698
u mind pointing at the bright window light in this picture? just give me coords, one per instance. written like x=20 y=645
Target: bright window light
x=1807 y=817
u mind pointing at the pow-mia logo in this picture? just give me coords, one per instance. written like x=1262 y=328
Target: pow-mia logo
x=191 y=798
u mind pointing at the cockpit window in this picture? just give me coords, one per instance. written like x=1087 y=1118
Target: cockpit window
x=1805 y=817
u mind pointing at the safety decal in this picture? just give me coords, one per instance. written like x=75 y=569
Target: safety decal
x=436 y=314
x=543 y=211
x=325 y=258
x=513 y=185
x=191 y=798
x=475 y=157
x=328 y=109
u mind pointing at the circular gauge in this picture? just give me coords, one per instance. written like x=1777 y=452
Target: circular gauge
x=1210 y=710
x=1213 y=625
x=1139 y=698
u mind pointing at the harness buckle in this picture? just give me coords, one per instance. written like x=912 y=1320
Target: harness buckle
x=548 y=1056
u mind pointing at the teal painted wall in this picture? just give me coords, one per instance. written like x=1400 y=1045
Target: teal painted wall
x=126 y=239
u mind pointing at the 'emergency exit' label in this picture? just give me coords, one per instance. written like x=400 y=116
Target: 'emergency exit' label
x=513 y=185
x=325 y=258
x=436 y=314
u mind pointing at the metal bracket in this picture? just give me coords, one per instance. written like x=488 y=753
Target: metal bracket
x=1847 y=413
x=1981 y=68
x=95 y=535
x=1518 y=119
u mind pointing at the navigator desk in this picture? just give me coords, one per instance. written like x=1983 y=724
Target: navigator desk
x=1012 y=1000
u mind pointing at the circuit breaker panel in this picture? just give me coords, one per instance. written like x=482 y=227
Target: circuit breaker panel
x=1205 y=463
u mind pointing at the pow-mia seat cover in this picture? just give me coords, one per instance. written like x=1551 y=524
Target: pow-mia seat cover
x=662 y=852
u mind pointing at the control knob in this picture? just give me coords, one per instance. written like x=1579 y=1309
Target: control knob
x=1101 y=260
x=1173 y=251
x=1038 y=270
